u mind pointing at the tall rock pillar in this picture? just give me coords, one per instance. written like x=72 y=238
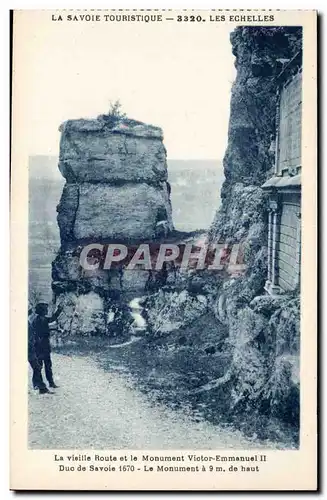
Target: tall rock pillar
x=116 y=191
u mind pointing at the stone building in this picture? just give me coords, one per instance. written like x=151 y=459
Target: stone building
x=284 y=187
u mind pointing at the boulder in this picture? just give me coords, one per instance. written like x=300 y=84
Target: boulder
x=112 y=157
x=168 y=311
x=82 y=315
x=116 y=152
x=66 y=266
x=126 y=212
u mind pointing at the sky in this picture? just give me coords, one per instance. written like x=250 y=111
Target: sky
x=176 y=77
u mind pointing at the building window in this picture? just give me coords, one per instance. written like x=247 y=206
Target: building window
x=288 y=158
x=288 y=245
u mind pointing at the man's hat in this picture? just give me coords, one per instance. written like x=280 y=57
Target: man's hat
x=40 y=307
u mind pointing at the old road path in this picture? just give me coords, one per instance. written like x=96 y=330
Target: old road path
x=95 y=409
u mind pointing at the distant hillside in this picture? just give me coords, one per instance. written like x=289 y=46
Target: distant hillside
x=195 y=188
x=44 y=167
x=195 y=192
x=195 y=165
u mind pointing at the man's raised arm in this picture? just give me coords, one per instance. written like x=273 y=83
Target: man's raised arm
x=56 y=314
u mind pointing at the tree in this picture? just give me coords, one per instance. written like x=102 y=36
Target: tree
x=115 y=113
x=115 y=110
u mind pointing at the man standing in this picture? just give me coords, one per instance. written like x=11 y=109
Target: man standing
x=37 y=379
x=41 y=328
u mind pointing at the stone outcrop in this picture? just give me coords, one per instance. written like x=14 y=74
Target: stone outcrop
x=116 y=181
x=91 y=152
x=125 y=212
x=171 y=310
x=116 y=191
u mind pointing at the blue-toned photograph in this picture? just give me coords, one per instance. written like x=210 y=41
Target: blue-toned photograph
x=165 y=238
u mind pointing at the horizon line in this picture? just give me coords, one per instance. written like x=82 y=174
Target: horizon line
x=168 y=158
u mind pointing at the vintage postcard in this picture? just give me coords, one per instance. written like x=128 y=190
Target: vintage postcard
x=163 y=244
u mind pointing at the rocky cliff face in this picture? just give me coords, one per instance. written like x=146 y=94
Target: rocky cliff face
x=116 y=190
x=249 y=158
x=263 y=330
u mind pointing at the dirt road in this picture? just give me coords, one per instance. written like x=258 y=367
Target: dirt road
x=97 y=409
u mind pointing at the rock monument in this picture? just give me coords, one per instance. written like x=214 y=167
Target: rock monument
x=116 y=191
